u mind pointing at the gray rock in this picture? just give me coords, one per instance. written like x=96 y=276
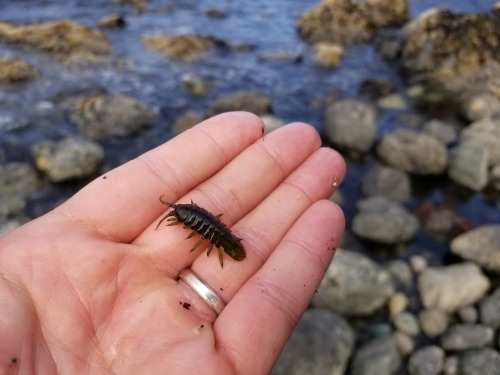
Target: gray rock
x=469 y=165
x=426 y=361
x=486 y=132
x=489 y=309
x=376 y=357
x=387 y=181
x=441 y=130
x=321 y=344
x=450 y=366
x=479 y=362
x=383 y=220
x=481 y=245
x=104 y=116
x=18 y=178
x=254 y=102
x=351 y=124
x=7 y=227
x=481 y=106
x=354 y=285
x=413 y=152
x=495 y=176
x=401 y=274
x=418 y=263
x=407 y=322
x=67 y=159
x=433 y=322
x=404 y=342
x=468 y=314
x=452 y=287
x=467 y=336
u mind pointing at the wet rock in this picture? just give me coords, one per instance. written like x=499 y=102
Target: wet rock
x=480 y=245
x=450 y=366
x=68 y=159
x=186 y=48
x=479 y=362
x=18 y=178
x=469 y=165
x=104 y=116
x=186 y=121
x=113 y=21
x=433 y=322
x=139 y=6
x=374 y=88
x=468 y=314
x=280 y=57
x=348 y=22
x=389 y=47
x=404 y=343
x=395 y=102
x=401 y=274
x=11 y=204
x=351 y=124
x=388 y=182
x=426 y=361
x=457 y=51
x=442 y=222
x=327 y=55
x=452 y=287
x=481 y=106
x=321 y=343
x=195 y=85
x=418 y=263
x=467 y=336
x=249 y=101
x=487 y=133
x=15 y=70
x=397 y=304
x=385 y=221
x=354 y=285
x=378 y=356
x=441 y=130
x=489 y=310
x=407 y=322
x=60 y=37
x=413 y=152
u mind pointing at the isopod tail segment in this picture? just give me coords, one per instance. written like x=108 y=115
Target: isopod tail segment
x=200 y=221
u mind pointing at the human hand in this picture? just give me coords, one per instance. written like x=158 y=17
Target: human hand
x=92 y=287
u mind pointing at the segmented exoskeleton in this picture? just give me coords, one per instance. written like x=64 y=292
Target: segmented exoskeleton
x=209 y=226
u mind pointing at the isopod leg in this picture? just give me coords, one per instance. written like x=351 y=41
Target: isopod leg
x=197 y=244
x=192 y=234
x=221 y=257
x=174 y=223
x=210 y=249
x=164 y=217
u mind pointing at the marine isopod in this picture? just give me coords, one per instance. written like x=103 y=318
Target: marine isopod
x=209 y=226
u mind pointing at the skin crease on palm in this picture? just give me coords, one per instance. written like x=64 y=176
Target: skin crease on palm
x=91 y=287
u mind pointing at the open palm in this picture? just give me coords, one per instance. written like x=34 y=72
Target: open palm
x=92 y=287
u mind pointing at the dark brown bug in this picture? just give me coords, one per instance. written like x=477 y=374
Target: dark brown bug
x=209 y=226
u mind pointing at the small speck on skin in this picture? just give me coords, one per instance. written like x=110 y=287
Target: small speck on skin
x=104 y=177
x=335 y=182
x=13 y=360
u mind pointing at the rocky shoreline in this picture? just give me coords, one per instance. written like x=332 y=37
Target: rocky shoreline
x=409 y=312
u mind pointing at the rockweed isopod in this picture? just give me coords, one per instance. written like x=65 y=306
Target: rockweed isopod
x=209 y=226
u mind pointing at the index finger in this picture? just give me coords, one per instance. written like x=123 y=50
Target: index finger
x=119 y=204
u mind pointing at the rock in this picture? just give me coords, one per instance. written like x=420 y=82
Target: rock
x=479 y=362
x=382 y=220
x=7 y=227
x=468 y=314
x=426 y=361
x=467 y=336
x=433 y=322
x=11 y=204
x=139 y=6
x=450 y=366
x=480 y=245
x=442 y=222
x=398 y=303
x=441 y=130
x=395 y=102
x=321 y=343
x=388 y=182
x=186 y=121
x=482 y=106
x=404 y=343
x=456 y=51
x=489 y=309
x=401 y=274
x=349 y=22
x=407 y=322
x=67 y=159
x=469 y=165
x=327 y=54
x=487 y=133
x=280 y=57
x=103 y=116
x=452 y=287
x=351 y=124
x=249 y=101
x=418 y=263
x=494 y=176
x=18 y=178
x=374 y=88
x=187 y=48
x=195 y=85
x=413 y=152
x=354 y=285
x=15 y=70
x=60 y=37
x=271 y=122
x=112 y=21
x=378 y=356
x=389 y=47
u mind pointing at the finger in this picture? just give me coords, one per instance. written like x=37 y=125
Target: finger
x=264 y=227
x=234 y=191
x=255 y=325
x=120 y=204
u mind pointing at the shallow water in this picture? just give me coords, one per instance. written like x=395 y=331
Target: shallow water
x=29 y=112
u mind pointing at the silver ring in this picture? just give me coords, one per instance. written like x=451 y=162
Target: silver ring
x=206 y=293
